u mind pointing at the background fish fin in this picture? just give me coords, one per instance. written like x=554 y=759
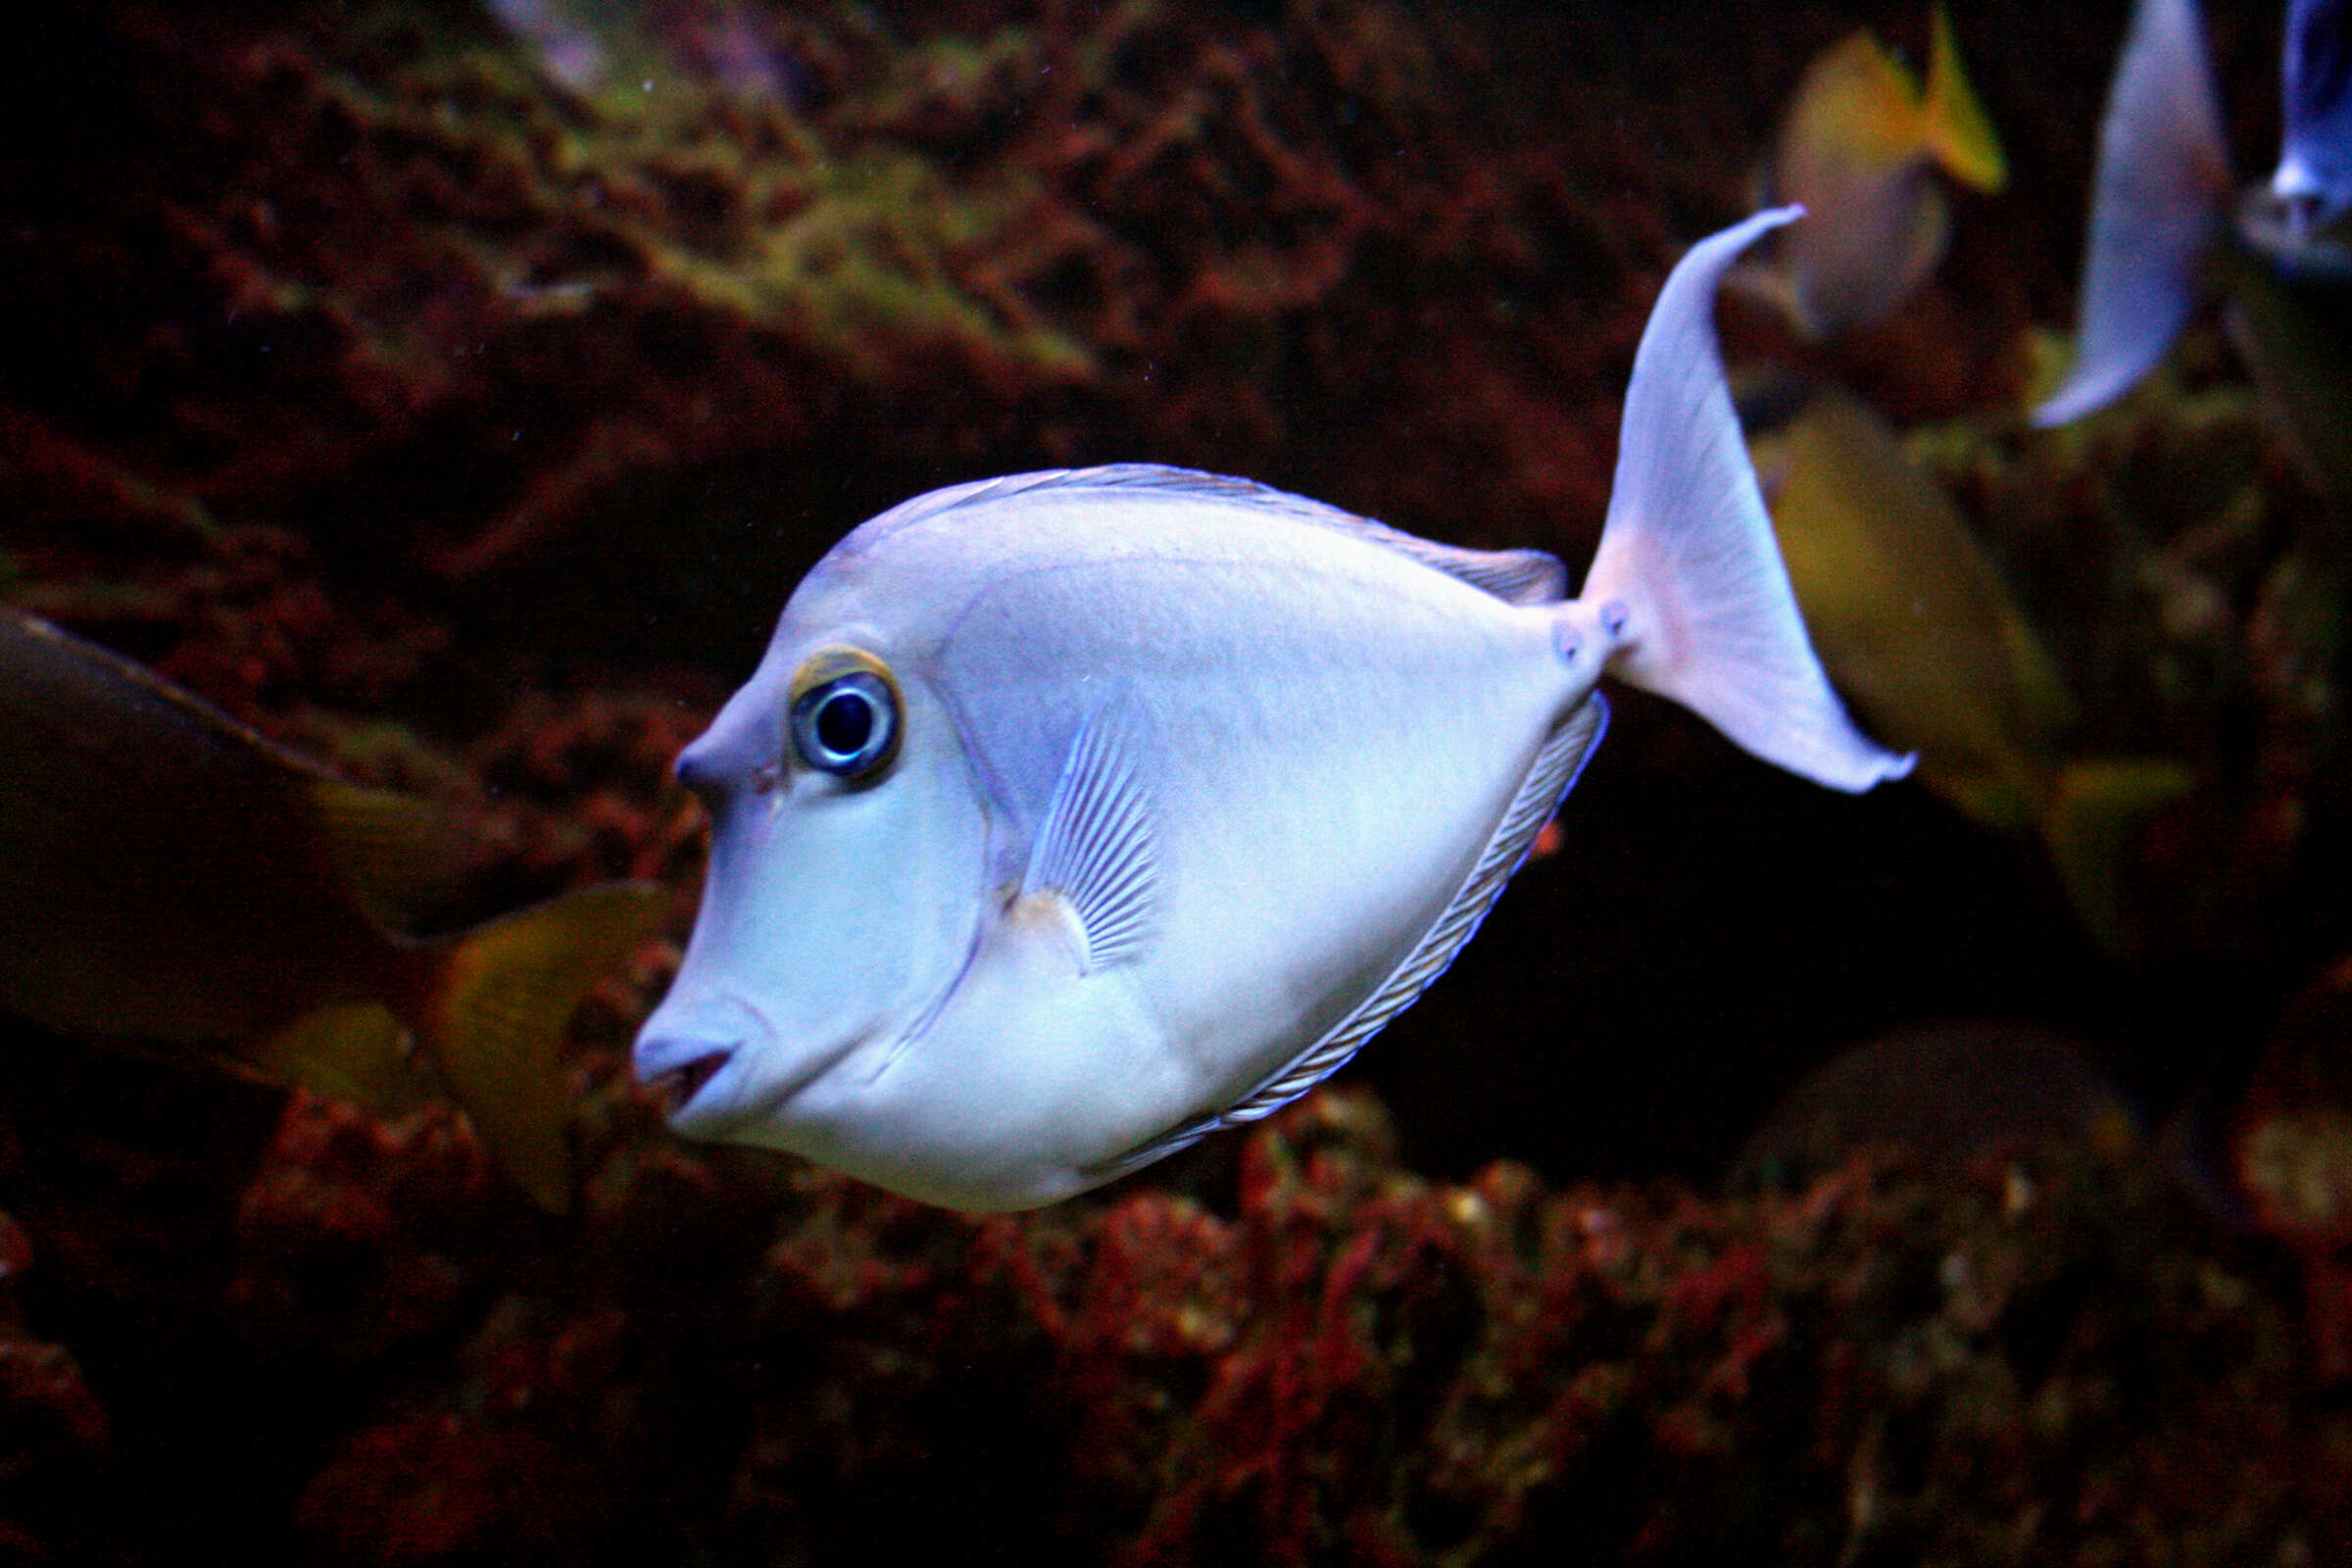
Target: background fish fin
x=2045 y=705
x=1959 y=133
x=397 y=855
x=354 y=1051
x=2163 y=174
x=2100 y=803
x=1711 y=621
x=1097 y=844
x=394 y=854
x=493 y=1024
x=1857 y=103
x=1558 y=763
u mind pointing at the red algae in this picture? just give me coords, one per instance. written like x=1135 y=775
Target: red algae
x=746 y=1357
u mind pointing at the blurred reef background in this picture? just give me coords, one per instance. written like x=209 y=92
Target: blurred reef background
x=455 y=392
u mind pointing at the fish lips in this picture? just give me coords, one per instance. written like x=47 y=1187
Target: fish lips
x=681 y=1070
x=706 y=1062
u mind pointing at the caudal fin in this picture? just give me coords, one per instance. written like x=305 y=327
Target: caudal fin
x=1686 y=563
x=2163 y=172
x=493 y=1024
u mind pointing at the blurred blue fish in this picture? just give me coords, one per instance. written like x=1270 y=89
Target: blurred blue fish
x=627 y=49
x=2163 y=186
x=1073 y=817
x=2313 y=182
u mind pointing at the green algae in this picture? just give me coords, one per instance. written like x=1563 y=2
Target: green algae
x=864 y=252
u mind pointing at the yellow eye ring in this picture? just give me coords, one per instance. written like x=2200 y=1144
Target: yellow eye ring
x=845 y=714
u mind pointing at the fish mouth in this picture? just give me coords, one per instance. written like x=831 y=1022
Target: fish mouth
x=677 y=1087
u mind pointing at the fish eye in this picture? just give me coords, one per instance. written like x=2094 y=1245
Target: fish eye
x=845 y=714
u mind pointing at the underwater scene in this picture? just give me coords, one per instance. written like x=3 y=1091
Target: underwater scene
x=1176 y=782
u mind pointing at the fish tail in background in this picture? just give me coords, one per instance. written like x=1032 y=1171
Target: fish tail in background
x=493 y=1019
x=2163 y=175
x=1688 y=576
x=2097 y=804
x=354 y=1051
x=1958 y=133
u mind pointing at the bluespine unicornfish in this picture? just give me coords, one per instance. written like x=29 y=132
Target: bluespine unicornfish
x=2161 y=197
x=173 y=877
x=1860 y=151
x=1072 y=816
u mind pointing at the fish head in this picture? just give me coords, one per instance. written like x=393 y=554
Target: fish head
x=847 y=847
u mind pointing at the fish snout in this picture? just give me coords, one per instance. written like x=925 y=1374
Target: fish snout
x=740 y=749
x=702 y=767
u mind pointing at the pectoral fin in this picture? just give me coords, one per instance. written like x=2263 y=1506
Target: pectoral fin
x=1097 y=844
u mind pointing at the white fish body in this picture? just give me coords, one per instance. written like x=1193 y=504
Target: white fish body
x=1125 y=803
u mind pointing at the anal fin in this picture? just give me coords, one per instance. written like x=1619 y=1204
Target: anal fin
x=1557 y=765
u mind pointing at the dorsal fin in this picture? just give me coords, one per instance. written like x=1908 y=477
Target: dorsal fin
x=1515 y=576
x=1518 y=576
x=1097 y=844
x=1554 y=772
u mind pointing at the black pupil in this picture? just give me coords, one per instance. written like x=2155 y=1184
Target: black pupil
x=845 y=722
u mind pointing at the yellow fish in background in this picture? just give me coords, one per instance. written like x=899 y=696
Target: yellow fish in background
x=168 y=874
x=1859 y=152
x=1921 y=636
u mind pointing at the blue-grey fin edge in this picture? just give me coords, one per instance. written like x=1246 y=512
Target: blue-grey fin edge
x=1097 y=844
x=1516 y=577
x=1559 y=764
